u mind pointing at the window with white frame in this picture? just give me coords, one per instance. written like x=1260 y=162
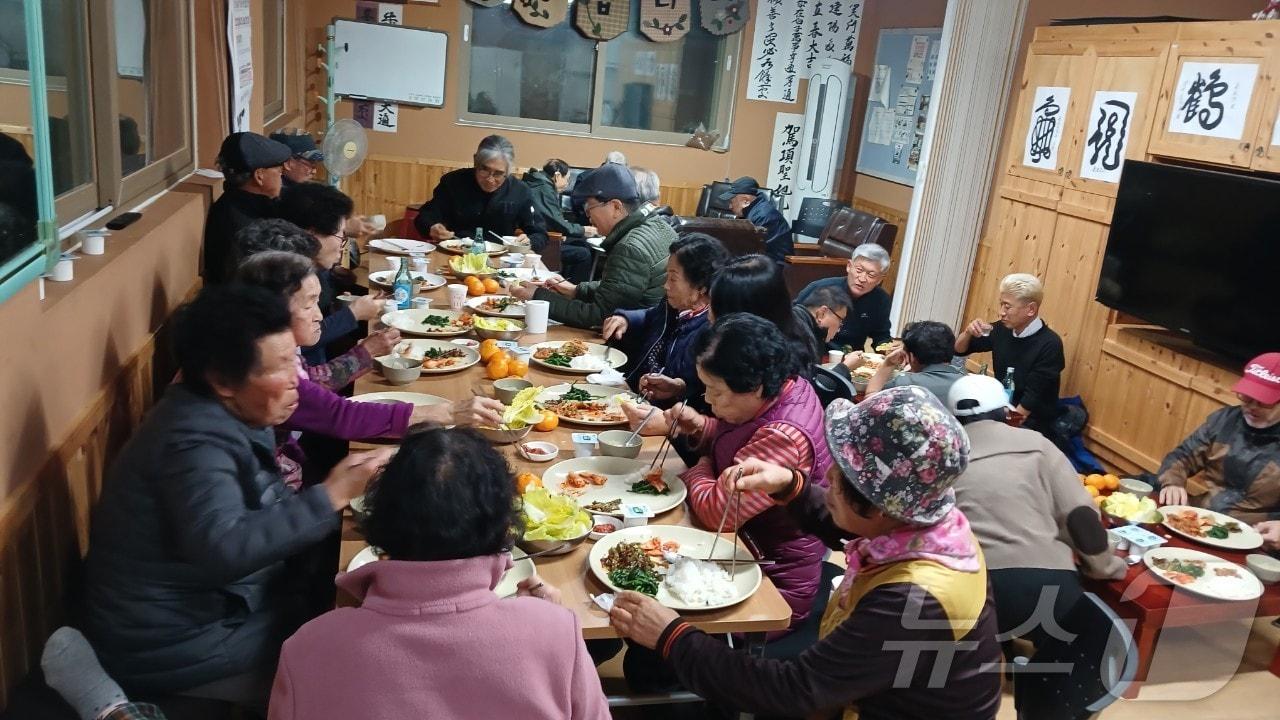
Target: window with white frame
x=627 y=88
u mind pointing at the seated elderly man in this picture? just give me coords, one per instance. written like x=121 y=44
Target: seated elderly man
x=487 y=196
x=186 y=586
x=252 y=166
x=926 y=352
x=650 y=188
x=746 y=201
x=301 y=166
x=637 y=244
x=1026 y=355
x=1231 y=463
x=868 y=316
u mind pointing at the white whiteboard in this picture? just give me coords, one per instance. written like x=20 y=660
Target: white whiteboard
x=389 y=62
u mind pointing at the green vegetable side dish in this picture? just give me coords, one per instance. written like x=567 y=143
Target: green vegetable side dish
x=644 y=488
x=435 y=320
x=1218 y=532
x=575 y=393
x=635 y=579
x=558 y=359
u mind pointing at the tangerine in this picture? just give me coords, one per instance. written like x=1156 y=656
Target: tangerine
x=1092 y=490
x=487 y=349
x=491 y=285
x=498 y=367
x=1113 y=482
x=550 y=421
x=525 y=480
x=518 y=368
x=475 y=288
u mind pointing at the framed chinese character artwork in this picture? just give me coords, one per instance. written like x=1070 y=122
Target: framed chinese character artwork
x=1049 y=113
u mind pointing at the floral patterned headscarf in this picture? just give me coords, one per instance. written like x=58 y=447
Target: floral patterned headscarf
x=902 y=450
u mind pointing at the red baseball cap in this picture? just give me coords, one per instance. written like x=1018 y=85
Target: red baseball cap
x=1261 y=379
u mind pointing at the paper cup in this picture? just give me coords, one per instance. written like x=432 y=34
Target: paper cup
x=421 y=303
x=457 y=296
x=536 y=313
x=582 y=449
x=93 y=244
x=394 y=264
x=64 y=271
x=378 y=221
x=420 y=265
x=834 y=356
x=390 y=306
x=532 y=260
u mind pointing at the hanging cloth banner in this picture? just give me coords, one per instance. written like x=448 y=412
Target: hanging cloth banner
x=487 y=3
x=665 y=20
x=602 y=19
x=725 y=17
x=541 y=13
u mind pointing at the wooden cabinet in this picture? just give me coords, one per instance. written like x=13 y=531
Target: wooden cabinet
x=1266 y=151
x=1213 y=68
x=1059 y=68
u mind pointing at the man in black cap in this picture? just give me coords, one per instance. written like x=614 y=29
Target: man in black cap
x=252 y=166
x=301 y=165
x=745 y=201
x=637 y=244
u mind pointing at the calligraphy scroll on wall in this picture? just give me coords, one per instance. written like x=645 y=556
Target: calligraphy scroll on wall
x=831 y=33
x=1044 y=131
x=665 y=20
x=779 y=29
x=783 y=156
x=1107 y=135
x=1213 y=99
x=541 y=13
x=724 y=17
x=602 y=19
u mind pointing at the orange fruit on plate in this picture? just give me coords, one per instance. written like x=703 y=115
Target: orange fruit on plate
x=525 y=480
x=498 y=367
x=491 y=285
x=1092 y=490
x=1097 y=500
x=1096 y=481
x=487 y=349
x=550 y=421
x=518 y=369
x=1113 y=482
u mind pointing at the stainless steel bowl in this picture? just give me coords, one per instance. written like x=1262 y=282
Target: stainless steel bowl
x=565 y=546
x=498 y=436
x=500 y=334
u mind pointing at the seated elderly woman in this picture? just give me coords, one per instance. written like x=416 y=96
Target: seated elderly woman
x=754 y=284
x=430 y=638
x=186 y=589
x=763 y=410
x=320 y=410
x=868 y=316
x=910 y=633
x=488 y=196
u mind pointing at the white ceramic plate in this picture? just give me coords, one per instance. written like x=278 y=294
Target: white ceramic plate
x=1246 y=539
x=514 y=310
x=521 y=274
x=427 y=281
x=455 y=247
x=521 y=570
x=615 y=358
x=416 y=349
x=693 y=543
x=622 y=473
x=1222 y=580
x=406 y=397
x=400 y=246
x=410 y=322
x=611 y=395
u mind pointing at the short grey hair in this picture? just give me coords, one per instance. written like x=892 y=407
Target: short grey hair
x=647 y=184
x=873 y=252
x=616 y=157
x=495 y=147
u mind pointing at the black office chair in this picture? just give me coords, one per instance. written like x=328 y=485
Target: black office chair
x=1076 y=678
x=831 y=385
x=813 y=216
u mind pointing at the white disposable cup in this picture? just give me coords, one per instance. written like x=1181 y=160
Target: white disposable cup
x=584 y=449
x=378 y=221
x=64 y=271
x=419 y=265
x=531 y=260
x=421 y=303
x=834 y=356
x=536 y=313
x=394 y=264
x=390 y=306
x=457 y=296
x=93 y=244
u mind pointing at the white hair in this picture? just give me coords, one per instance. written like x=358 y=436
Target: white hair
x=873 y=252
x=616 y=157
x=495 y=147
x=647 y=184
x=1023 y=286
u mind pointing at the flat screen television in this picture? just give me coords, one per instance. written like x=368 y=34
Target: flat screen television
x=1198 y=252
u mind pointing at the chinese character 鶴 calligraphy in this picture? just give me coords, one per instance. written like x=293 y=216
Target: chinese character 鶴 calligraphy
x=1207 y=117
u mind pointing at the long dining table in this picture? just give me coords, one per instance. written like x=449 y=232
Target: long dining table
x=765 y=610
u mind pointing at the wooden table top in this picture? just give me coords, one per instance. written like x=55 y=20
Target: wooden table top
x=763 y=611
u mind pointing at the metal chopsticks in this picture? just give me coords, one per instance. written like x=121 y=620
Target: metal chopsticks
x=735 y=501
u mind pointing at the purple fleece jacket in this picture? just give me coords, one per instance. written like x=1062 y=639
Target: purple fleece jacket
x=324 y=412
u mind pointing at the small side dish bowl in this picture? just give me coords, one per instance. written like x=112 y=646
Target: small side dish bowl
x=400 y=370
x=538 y=451
x=597 y=521
x=612 y=444
x=1265 y=567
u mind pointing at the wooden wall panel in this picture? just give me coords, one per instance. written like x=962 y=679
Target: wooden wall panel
x=1069 y=307
x=1057 y=64
x=1135 y=412
x=1020 y=242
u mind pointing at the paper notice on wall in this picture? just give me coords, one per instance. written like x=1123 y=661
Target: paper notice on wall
x=645 y=63
x=1044 y=131
x=897 y=153
x=668 y=85
x=1107 y=135
x=362 y=112
x=916 y=59
x=880 y=126
x=906 y=104
x=1212 y=99
x=390 y=13
x=240 y=47
x=903 y=128
x=913 y=157
x=385 y=116
x=880 y=85
x=783 y=156
x=931 y=64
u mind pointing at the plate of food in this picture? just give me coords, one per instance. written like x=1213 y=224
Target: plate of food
x=669 y=563
x=516 y=274
x=1210 y=528
x=577 y=356
x=438 y=356
x=521 y=568
x=400 y=397
x=400 y=246
x=431 y=323
x=458 y=246
x=1202 y=574
x=497 y=306
x=603 y=485
x=584 y=404
x=425 y=281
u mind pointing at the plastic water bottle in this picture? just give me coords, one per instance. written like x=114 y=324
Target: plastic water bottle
x=1008 y=383
x=402 y=287
x=478 y=246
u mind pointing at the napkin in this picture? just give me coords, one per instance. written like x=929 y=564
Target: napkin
x=608 y=376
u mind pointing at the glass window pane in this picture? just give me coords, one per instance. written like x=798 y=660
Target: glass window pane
x=669 y=86
x=149 y=66
x=18 y=212
x=70 y=127
x=526 y=72
x=273 y=50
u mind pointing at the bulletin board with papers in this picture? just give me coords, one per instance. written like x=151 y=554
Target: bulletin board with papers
x=899 y=103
